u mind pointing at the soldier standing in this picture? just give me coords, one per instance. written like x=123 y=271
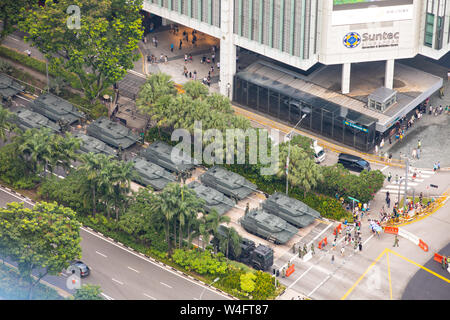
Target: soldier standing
x=283 y=272
x=247 y=208
x=396 y=241
x=312 y=248
x=305 y=250
x=300 y=252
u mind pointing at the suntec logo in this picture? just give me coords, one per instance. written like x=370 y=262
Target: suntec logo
x=352 y=40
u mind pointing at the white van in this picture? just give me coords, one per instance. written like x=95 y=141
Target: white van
x=319 y=153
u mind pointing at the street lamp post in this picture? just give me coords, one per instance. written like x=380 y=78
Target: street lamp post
x=289 y=152
x=215 y=280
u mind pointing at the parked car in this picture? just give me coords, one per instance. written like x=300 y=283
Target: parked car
x=84 y=269
x=353 y=163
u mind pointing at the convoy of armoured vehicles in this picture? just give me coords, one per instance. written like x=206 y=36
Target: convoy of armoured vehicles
x=27 y=119
x=267 y=226
x=227 y=182
x=56 y=109
x=8 y=87
x=91 y=144
x=292 y=210
x=148 y=173
x=213 y=198
x=112 y=133
x=168 y=157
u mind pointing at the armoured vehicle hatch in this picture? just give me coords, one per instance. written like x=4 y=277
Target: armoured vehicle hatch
x=8 y=87
x=290 y=209
x=91 y=144
x=56 y=109
x=161 y=153
x=213 y=198
x=27 y=119
x=227 y=182
x=112 y=133
x=151 y=174
x=268 y=226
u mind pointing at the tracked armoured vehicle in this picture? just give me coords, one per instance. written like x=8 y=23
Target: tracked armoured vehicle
x=161 y=153
x=112 y=133
x=260 y=258
x=213 y=198
x=227 y=182
x=27 y=119
x=91 y=144
x=8 y=87
x=56 y=109
x=150 y=174
x=268 y=226
x=292 y=210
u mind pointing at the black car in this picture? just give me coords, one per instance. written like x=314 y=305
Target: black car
x=353 y=163
x=84 y=269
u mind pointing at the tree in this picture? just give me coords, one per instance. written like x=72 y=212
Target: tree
x=99 y=50
x=156 y=86
x=303 y=171
x=11 y=14
x=248 y=282
x=88 y=292
x=44 y=239
x=219 y=102
x=195 y=89
x=209 y=224
x=5 y=124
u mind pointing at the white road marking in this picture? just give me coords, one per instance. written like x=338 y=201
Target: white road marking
x=368 y=239
x=166 y=285
x=319 y=285
x=149 y=296
x=396 y=187
x=14 y=38
x=107 y=297
x=104 y=256
x=131 y=252
x=23 y=98
x=133 y=269
x=121 y=283
x=384 y=168
x=137 y=74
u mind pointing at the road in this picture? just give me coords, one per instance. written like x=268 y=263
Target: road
x=125 y=275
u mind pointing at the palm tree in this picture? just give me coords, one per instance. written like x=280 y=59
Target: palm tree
x=209 y=224
x=195 y=89
x=5 y=124
x=233 y=240
x=36 y=147
x=122 y=174
x=219 y=102
x=65 y=148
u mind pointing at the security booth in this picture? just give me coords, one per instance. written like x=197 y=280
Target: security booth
x=381 y=99
x=288 y=104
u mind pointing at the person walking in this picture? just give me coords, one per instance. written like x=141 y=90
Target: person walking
x=396 y=178
x=171 y=47
x=389 y=177
x=414 y=153
x=332 y=259
x=360 y=244
x=342 y=251
x=418 y=153
x=419 y=144
x=434 y=167
x=312 y=249
x=247 y=208
x=439 y=166
x=396 y=241
x=180 y=45
x=300 y=252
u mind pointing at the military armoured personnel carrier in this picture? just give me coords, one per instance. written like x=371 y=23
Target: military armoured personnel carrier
x=213 y=198
x=161 y=153
x=148 y=173
x=113 y=133
x=91 y=144
x=8 y=87
x=227 y=182
x=260 y=258
x=56 y=109
x=292 y=210
x=268 y=226
x=27 y=119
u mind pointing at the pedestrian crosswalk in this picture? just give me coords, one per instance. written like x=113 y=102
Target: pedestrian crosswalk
x=420 y=176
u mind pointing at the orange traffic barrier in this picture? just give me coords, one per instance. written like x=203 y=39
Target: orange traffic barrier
x=423 y=245
x=320 y=244
x=393 y=230
x=325 y=242
x=339 y=228
x=438 y=257
x=290 y=270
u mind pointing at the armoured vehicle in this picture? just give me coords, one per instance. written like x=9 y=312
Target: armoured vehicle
x=227 y=182
x=213 y=198
x=267 y=226
x=161 y=153
x=112 y=133
x=260 y=258
x=91 y=144
x=151 y=174
x=27 y=119
x=56 y=109
x=292 y=210
x=8 y=87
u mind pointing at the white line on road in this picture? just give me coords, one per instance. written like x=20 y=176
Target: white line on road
x=137 y=74
x=133 y=269
x=319 y=285
x=384 y=168
x=104 y=256
x=368 y=239
x=14 y=38
x=107 y=297
x=121 y=283
x=166 y=285
x=149 y=296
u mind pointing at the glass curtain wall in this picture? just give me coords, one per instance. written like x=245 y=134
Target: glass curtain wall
x=322 y=117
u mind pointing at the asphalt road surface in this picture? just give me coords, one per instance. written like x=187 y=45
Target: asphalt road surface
x=123 y=274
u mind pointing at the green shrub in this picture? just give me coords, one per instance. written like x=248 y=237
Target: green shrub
x=202 y=262
x=14 y=172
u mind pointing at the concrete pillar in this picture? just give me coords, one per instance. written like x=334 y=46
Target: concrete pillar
x=345 y=81
x=227 y=50
x=389 y=74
